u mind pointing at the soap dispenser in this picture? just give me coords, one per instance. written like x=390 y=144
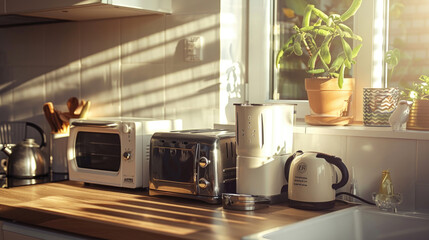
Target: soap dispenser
x=386 y=186
x=386 y=199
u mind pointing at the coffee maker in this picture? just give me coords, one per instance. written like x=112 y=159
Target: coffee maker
x=264 y=135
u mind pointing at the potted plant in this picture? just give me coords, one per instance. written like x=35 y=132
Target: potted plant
x=419 y=112
x=329 y=92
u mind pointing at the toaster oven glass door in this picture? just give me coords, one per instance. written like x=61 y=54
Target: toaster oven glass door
x=176 y=165
x=101 y=151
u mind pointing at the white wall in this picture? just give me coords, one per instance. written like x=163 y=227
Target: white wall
x=406 y=159
x=125 y=67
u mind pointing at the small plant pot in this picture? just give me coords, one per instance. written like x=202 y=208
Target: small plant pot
x=378 y=105
x=329 y=104
x=419 y=116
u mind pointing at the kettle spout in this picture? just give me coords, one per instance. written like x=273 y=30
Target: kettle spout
x=6 y=149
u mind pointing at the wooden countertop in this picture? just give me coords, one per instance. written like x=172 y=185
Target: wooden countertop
x=116 y=213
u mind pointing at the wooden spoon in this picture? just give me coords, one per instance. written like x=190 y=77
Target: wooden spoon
x=72 y=105
x=48 y=109
x=85 y=109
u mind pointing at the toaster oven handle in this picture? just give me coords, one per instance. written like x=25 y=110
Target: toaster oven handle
x=94 y=124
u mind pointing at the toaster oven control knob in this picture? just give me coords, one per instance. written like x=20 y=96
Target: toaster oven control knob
x=126 y=128
x=127 y=155
x=204 y=162
x=203 y=183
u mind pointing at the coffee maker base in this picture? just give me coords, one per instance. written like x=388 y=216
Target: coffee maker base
x=311 y=205
x=262 y=176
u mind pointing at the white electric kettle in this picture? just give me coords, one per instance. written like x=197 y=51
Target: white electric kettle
x=312 y=179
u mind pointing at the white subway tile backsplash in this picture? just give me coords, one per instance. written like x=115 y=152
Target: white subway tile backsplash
x=62 y=44
x=192 y=116
x=370 y=156
x=143 y=90
x=23 y=46
x=422 y=163
x=195 y=6
x=62 y=82
x=6 y=105
x=129 y=66
x=330 y=144
x=422 y=198
x=194 y=87
x=101 y=67
x=143 y=39
x=100 y=42
x=179 y=27
x=28 y=93
x=101 y=86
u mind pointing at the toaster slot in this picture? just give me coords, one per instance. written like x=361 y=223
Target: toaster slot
x=173 y=165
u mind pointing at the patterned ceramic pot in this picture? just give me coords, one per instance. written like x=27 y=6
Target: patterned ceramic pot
x=378 y=105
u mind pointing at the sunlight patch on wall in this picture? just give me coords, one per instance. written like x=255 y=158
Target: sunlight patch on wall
x=102 y=58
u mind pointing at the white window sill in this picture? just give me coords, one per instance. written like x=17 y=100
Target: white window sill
x=352 y=130
x=360 y=131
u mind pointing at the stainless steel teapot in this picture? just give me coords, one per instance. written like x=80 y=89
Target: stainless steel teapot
x=26 y=159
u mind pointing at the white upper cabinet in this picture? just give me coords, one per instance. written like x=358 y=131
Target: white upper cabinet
x=81 y=10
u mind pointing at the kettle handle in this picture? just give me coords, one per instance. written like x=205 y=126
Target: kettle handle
x=40 y=130
x=340 y=165
x=289 y=162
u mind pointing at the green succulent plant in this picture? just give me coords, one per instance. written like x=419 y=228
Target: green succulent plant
x=319 y=38
x=418 y=90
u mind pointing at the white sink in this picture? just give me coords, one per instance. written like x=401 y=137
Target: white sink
x=356 y=223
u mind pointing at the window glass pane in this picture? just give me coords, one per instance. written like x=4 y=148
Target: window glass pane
x=408 y=25
x=288 y=79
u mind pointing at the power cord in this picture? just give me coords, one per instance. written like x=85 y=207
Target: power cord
x=354 y=196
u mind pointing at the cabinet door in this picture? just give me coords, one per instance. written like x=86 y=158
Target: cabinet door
x=16 y=236
x=19 y=6
x=1 y=230
x=2 y=11
x=13 y=231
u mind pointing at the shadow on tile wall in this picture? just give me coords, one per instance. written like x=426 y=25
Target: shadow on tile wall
x=125 y=67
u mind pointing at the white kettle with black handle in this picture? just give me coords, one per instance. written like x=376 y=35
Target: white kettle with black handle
x=312 y=179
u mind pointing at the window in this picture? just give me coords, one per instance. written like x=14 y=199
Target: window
x=287 y=80
x=367 y=71
x=408 y=24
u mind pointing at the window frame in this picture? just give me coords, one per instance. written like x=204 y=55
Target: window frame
x=369 y=23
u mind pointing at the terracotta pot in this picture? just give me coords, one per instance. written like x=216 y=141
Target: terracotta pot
x=327 y=99
x=419 y=116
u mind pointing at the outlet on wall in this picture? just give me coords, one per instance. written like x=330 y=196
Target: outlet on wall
x=194 y=49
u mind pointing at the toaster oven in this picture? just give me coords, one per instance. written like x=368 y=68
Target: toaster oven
x=113 y=151
x=198 y=164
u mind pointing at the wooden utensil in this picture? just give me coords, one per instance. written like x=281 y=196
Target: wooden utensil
x=85 y=109
x=48 y=109
x=72 y=105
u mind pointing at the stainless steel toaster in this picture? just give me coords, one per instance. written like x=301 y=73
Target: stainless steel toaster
x=197 y=164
